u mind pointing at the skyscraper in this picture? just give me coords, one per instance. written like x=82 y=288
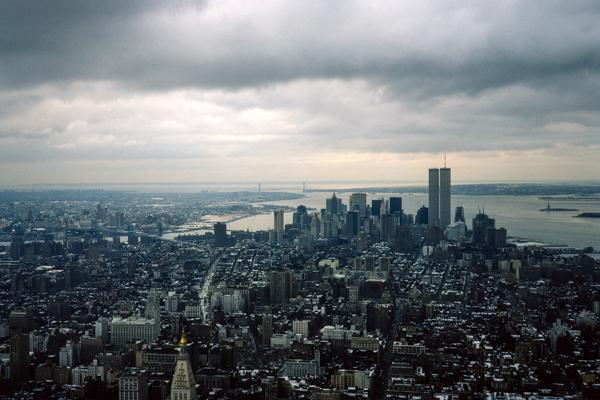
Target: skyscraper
x=19 y=358
x=153 y=305
x=434 y=197
x=183 y=385
x=387 y=227
x=352 y=220
x=481 y=223
x=376 y=205
x=459 y=214
x=445 y=183
x=333 y=205
x=395 y=205
x=280 y=286
x=278 y=224
x=358 y=202
x=422 y=216
x=267 y=329
x=220 y=231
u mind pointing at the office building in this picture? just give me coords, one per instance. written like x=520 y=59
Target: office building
x=19 y=358
x=439 y=197
x=481 y=223
x=395 y=205
x=459 y=214
x=352 y=221
x=68 y=355
x=129 y=329
x=267 y=329
x=280 y=286
x=301 y=327
x=445 y=201
x=387 y=227
x=422 y=217
x=183 y=386
x=358 y=202
x=376 y=207
x=278 y=225
x=220 y=232
x=153 y=305
x=133 y=384
x=434 y=197
x=333 y=206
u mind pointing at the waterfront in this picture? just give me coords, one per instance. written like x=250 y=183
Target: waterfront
x=520 y=215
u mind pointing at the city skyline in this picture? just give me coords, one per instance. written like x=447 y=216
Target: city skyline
x=218 y=91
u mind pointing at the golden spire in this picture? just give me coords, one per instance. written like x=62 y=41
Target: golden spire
x=183 y=340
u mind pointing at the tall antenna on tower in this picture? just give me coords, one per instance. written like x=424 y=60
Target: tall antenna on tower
x=444 y=159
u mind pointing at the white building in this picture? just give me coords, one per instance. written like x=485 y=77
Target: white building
x=456 y=232
x=193 y=311
x=295 y=368
x=80 y=373
x=68 y=355
x=124 y=330
x=329 y=332
x=282 y=340
x=101 y=329
x=408 y=349
x=153 y=305
x=172 y=302
x=301 y=328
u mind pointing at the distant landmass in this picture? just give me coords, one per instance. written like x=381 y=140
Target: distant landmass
x=591 y=192
x=107 y=195
x=589 y=215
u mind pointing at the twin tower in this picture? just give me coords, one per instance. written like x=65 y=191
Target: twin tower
x=439 y=197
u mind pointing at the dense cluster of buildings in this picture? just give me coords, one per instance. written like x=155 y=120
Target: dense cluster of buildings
x=360 y=299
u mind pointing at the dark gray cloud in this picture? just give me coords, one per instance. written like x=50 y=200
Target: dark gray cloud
x=429 y=49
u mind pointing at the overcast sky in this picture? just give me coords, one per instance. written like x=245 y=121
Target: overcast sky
x=205 y=91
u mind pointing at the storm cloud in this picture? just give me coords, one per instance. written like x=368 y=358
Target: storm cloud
x=229 y=85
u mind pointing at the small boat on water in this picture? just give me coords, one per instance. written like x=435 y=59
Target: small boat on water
x=588 y=215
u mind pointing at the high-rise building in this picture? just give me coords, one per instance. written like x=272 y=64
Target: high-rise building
x=267 y=329
x=459 y=214
x=376 y=206
x=280 y=286
x=352 y=220
x=439 y=197
x=333 y=205
x=220 y=231
x=358 y=202
x=19 y=358
x=68 y=356
x=481 y=223
x=278 y=224
x=133 y=384
x=395 y=205
x=445 y=201
x=153 y=305
x=434 y=197
x=301 y=327
x=387 y=227
x=422 y=217
x=183 y=386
